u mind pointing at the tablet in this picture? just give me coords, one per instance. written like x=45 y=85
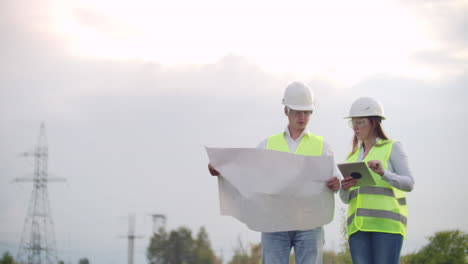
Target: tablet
x=357 y=170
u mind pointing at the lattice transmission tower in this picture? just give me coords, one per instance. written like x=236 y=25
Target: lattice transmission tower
x=37 y=244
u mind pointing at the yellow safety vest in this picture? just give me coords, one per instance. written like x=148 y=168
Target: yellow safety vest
x=377 y=208
x=310 y=145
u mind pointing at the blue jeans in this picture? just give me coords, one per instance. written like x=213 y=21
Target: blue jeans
x=307 y=244
x=375 y=247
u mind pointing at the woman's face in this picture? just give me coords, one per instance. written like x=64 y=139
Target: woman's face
x=362 y=127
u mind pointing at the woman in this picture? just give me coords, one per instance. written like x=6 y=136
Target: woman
x=377 y=215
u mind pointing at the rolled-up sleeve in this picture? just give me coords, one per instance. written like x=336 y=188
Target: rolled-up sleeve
x=401 y=177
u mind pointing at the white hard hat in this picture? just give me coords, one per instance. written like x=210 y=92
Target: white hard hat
x=366 y=106
x=299 y=96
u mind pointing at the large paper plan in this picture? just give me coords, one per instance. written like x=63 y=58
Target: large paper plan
x=273 y=191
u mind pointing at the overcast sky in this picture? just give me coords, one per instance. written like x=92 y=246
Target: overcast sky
x=131 y=92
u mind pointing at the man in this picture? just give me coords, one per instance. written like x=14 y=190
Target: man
x=299 y=103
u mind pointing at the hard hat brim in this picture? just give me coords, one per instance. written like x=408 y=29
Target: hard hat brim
x=383 y=117
x=300 y=108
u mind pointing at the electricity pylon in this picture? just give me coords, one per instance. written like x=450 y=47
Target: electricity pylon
x=37 y=244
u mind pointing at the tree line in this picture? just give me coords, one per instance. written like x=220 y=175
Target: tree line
x=180 y=247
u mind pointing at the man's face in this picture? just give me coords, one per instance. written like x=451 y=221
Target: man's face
x=298 y=120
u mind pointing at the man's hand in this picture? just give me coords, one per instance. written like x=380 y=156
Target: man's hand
x=348 y=182
x=333 y=184
x=212 y=170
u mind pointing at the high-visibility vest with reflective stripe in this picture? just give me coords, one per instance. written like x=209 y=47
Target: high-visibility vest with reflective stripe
x=378 y=208
x=310 y=145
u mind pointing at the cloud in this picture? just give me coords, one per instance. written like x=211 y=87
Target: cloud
x=104 y=24
x=448 y=18
x=41 y=80
x=25 y=30
x=446 y=61
x=447 y=23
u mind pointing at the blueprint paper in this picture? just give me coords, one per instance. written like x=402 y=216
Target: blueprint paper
x=273 y=191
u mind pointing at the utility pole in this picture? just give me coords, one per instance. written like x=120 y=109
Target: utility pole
x=37 y=244
x=131 y=237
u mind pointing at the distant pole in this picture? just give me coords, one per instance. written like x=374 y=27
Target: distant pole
x=131 y=237
x=37 y=244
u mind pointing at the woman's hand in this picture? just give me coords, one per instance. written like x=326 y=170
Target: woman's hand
x=333 y=184
x=212 y=170
x=376 y=166
x=348 y=182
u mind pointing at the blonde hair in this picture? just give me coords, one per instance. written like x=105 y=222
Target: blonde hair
x=376 y=129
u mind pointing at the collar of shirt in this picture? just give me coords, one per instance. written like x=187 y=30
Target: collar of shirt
x=288 y=134
x=376 y=140
x=361 y=150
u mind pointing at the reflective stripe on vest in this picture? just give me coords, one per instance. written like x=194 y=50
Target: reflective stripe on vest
x=378 y=214
x=310 y=145
x=378 y=208
x=375 y=190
